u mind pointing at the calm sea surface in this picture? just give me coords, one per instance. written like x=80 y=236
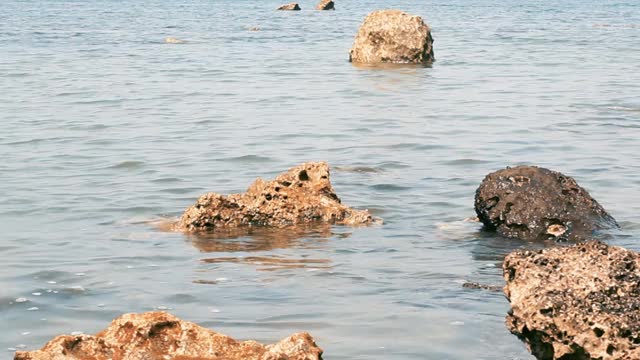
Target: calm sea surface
x=106 y=129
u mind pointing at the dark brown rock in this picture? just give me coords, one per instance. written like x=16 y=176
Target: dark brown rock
x=575 y=303
x=158 y=335
x=392 y=36
x=325 y=5
x=292 y=6
x=533 y=203
x=302 y=195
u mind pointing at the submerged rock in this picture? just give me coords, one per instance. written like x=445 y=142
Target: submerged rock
x=172 y=40
x=392 y=36
x=292 y=6
x=325 y=5
x=580 y=302
x=533 y=203
x=158 y=335
x=302 y=195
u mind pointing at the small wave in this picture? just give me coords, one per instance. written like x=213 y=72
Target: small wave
x=129 y=164
x=357 y=169
x=390 y=187
x=624 y=108
x=248 y=159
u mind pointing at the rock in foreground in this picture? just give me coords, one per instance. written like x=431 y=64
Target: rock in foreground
x=533 y=203
x=292 y=6
x=302 y=195
x=392 y=36
x=158 y=335
x=325 y=5
x=575 y=303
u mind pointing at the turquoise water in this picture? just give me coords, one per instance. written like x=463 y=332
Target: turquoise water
x=106 y=129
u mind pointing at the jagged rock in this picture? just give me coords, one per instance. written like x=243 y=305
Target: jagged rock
x=292 y=6
x=158 y=335
x=302 y=195
x=533 y=203
x=325 y=5
x=575 y=303
x=392 y=36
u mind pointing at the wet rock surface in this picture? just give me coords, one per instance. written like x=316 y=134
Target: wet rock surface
x=533 y=203
x=392 y=36
x=302 y=195
x=574 y=303
x=292 y=6
x=326 y=5
x=158 y=335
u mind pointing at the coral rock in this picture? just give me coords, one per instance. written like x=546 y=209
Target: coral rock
x=158 y=335
x=292 y=6
x=533 y=203
x=580 y=302
x=325 y=5
x=392 y=36
x=302 y=195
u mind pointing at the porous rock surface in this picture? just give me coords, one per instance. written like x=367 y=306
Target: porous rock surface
x=533 y=203
x=392 y=36
x=292 y=6
x=158 y=335
x=302 y=195
x=325 y=5
x=575 y=303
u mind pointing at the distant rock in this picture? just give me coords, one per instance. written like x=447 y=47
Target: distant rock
x=325 y=5
x=302 y=195
x=580 y=302
x=158 y=335
x=292 y=6
x=392 y=36
x=172 y=40
x=533 y=203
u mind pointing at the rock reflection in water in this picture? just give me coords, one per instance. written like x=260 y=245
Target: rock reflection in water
x=263 y=238
x=267 y=239
x=271 y=263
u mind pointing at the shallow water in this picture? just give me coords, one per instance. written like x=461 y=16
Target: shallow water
x=106 y=129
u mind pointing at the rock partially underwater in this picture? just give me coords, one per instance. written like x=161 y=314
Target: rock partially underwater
x=533 y=203
x=158 y=335
x=325 y=5
x=392 y=36
x=302 y=195
x=290 y=7
x=575 y=303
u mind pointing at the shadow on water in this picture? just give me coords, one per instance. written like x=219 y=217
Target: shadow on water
x=490 y=246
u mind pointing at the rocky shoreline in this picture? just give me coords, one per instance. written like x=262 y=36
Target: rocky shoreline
x=577 y=302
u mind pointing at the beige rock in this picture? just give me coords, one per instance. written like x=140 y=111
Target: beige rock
x=392 y=36
x=292 y=6
x=172 y=40
x=325 y=5
x=158 y=335
x=302 y=195
x=580 y=302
